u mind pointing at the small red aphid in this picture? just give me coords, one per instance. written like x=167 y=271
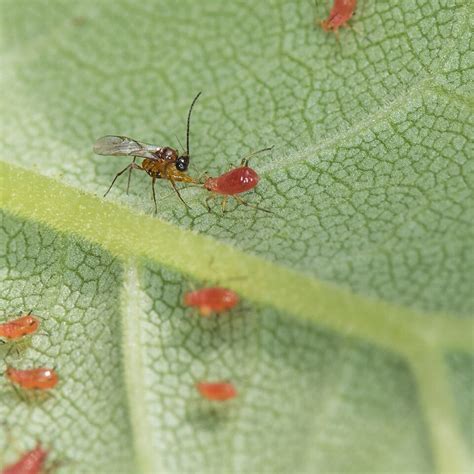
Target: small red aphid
x=33 y=379
x=32 y=462
x=20 y=327
x=234 y=182
x=216 y=391
x=341 y=12
x=211 y=300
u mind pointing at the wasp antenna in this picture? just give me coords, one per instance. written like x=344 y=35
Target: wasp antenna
x=189 y=121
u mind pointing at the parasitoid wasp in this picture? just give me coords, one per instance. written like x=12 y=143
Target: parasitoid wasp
x=158 y=162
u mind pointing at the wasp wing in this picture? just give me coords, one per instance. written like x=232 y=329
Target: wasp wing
x=115 y=145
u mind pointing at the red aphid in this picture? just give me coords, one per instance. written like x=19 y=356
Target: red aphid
x=236 y=181
x=20 y=327
x=211 y=300
x=32 y=462
x=33 y=379
x=216 y=391
x=341 y=12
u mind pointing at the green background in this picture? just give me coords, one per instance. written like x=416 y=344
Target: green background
x=352 y=350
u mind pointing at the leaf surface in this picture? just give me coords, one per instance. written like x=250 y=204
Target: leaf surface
x=352 y=349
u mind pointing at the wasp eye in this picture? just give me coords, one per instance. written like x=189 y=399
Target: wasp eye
x=182 y=163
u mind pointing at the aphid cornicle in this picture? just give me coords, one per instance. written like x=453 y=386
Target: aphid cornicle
x=211 y=300
x=31 y=462
x=341 y=12
x=20 y=327
x=216 y=391
x=158 y=162
x=234 y=182
x=33 y=379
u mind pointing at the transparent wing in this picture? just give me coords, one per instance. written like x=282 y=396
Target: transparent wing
x=117 y=146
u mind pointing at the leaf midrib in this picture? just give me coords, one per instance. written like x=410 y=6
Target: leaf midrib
x=127 y=234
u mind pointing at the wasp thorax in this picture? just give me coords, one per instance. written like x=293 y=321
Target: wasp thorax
x=169 y=154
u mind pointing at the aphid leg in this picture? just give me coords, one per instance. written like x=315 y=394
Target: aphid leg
x=224 y=204
x=241 y=201
x=178 y=193
x=245 y=159
x=209 y=198
x=153 y=181
x=19 y=393
x=315 y=10
x=130 y=166
x=55 y=465
x=361 y=9
x=353 y=28
x=9 y=350
x=130 y=174
x=12 y=442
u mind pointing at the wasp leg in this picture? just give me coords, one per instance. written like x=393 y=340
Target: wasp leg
x=130 y=166
x=178 y=193
x=153 y=181
x=241 y=201
x=130 y=174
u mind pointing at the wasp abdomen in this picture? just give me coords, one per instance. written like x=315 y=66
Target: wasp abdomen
x=152 y=167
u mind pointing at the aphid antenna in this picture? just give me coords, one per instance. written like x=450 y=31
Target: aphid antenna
x=189 y=121
x=316 y=22
x=8 y=352
x=245 y=159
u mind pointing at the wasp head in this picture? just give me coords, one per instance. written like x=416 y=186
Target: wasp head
x=182 y=163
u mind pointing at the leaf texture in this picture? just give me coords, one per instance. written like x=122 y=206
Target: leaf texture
x=352 y=350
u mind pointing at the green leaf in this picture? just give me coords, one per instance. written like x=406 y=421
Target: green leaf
x=352 y=349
